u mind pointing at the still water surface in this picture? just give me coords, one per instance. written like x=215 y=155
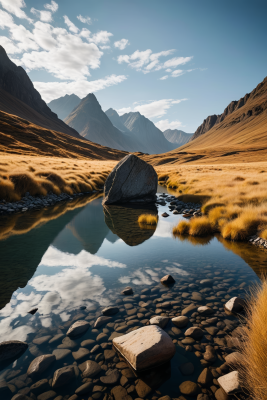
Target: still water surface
x=84 y=258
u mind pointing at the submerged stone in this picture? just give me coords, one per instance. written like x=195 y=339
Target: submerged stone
x=78 y=328
x=40 y=364
x=12 y=349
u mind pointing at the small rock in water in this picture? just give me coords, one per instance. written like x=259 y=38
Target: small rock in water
x=78 y=328
x=145 y=347
x=230 y=383
x=40 y=364
x=12 y=349
x=91 y=369
x=180 y=322
x=189 y=388
x=206 y=282
x=63 y=376
x=167 y=280
x=194 y=332
x=101 y=321
x=110 y=311
x=210 y=354
x=235 y=305
x=127 y=291
x=204 y=310
x=159 y=321
x=234 y=359
x=165 y=215
x=33 y=311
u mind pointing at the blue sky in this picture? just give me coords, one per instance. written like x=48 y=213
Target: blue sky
x=174 y=61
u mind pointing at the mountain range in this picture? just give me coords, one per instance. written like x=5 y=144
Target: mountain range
x=238 y=134
x=177 y=137
x=64 y=105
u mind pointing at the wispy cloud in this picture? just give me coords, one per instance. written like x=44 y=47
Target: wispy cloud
x=153 y=109
x=164 y=77
x=165 y=124
x=52 y=90
x=15 y=7
x=147 y=61
x=73 y=28
x=121 y=44
x=84 y=20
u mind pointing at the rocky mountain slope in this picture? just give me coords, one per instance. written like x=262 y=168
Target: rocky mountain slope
x=19 y=97
x=213 y=120
x=146 y=132
x=64 y=105
x=116 y=121
x=241 y=136
x=177 y=137
x=93 y=124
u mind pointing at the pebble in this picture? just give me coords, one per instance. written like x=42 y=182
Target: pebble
x=78 y=328
x=194 y=332
x=181 y=321
x=189 y=388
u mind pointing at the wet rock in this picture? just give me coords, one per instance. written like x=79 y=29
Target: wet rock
x=204 y=310
x=194 y=332
x=60 y=354
x=115 y=335
x=56 y=338
x=40 y=364
x=212 y=330
x=131 y=179
x=40 y=387
x=63 y=376
x=91 y=369
x=187 y=368
x=234 y=359
x=159 y=321
x=110 y=310
x=102 y=321
x=127 y=291
x=221 y=395
x=189 y=388
x=167 y=280
x=85 y=388
x=111 y=379
x=12 y=349
x=189 y=309
x=120 y=393
x=230 y=383
x=142 y=389
x=128 y=373
x=145 y=347
x=67 y=343
x=235 y=305
x=89 y=343
x=205 y=378
x=101 y=337
x=81 y=353
x=78 y=328
x=210 y=354
x=196 y=296
x=206 y=282
x=180 y=322
x=41 y=340
x=165 y=215
x=49 y=395
x=20 y=396
x=109 y=354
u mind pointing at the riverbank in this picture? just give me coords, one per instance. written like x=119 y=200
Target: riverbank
x=233 y=197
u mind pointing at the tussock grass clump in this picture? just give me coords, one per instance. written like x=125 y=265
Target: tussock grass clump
x=254 y=349
x=147 y=220
x=263 y=234
x=181 y=229
x=41 y=175
x=200 y=226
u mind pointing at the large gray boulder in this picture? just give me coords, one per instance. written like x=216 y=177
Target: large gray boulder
x=132 y=180
x=12 y=349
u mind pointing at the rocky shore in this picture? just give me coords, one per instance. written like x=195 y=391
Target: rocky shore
x=87 y=357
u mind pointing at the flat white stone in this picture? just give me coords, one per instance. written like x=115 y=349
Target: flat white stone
x=230 y=383
x=235 y=304
x=145 y=347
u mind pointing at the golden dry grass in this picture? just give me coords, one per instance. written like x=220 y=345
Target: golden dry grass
x=263 y=234
x=182 y=228
x=232 y=203
x=254 y=349
x=40 y=175
x=147 y=221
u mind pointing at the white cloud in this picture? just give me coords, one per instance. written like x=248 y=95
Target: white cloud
x=164 y=77
x=104 y=47
x=178 y=72
x=124 y=110
x=174 y=62
x=52 y=7
x=146 y=61
x=15 y=7
x=165 y=124
x=73 y=28
x=84 y=20
x=101 y=37
x=121 y=44
x=45 y=16
x=8 y=45
x=152 y=109
x=52 y=90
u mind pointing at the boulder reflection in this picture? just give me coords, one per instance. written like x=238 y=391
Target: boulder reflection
x=122 y=220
